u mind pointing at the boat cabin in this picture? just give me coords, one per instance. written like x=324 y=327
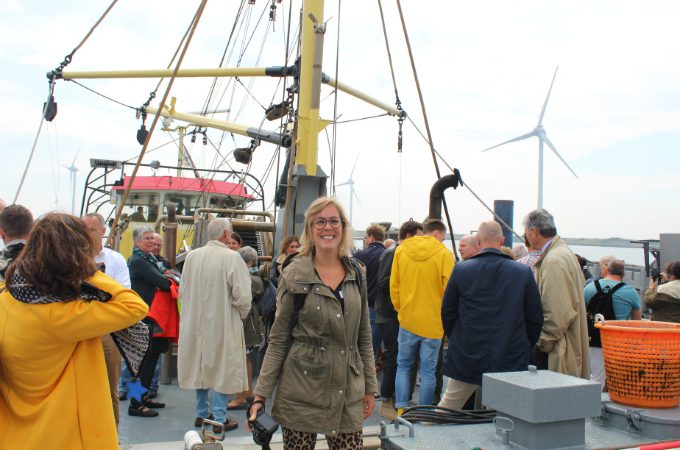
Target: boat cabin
x=150 y=195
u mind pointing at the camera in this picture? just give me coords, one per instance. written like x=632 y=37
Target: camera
x=264 y=426
x=656 y=276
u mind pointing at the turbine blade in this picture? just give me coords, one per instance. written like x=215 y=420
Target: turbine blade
x=354 y=167
x=518 y=138
x=552 y=147
x=76 y=156
x=540 y=117
x=356 y=196
x=342 y=184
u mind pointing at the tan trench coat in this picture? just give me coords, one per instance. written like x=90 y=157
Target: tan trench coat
x=327 y=368
x=565 y=332
x=215 y=295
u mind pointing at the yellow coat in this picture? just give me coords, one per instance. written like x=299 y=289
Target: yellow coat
x=54 y=391
x=420 y=272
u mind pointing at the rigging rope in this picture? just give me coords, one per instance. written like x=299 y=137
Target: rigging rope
x=400 y=119
x=333 y=147
x=213 y=85
x=126 y=193
x=389 y=53
x=427 y=123
x=68 y=58
x=142 y=110
x=104 y=96
x=35 y=141
x=362 y=118
x=289 y=119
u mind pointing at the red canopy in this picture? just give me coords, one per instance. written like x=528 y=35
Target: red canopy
x=170 y=183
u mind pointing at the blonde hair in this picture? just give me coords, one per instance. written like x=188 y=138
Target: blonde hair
x=307 y=240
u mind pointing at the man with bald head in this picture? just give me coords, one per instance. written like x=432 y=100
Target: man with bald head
x=468 y=247
x=492 y=315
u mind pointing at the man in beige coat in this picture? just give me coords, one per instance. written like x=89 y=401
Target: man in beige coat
x=215 y=295
x=563 y=344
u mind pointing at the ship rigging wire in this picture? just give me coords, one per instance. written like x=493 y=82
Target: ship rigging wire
x=246 y=39
x=126 y=193
x=35 y=142
x=427 y=122
x=335 y=105
x=66 y=62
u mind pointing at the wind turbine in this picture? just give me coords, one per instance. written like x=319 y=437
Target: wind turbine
x=72 y=181
x=352 y=192
x=539 y=132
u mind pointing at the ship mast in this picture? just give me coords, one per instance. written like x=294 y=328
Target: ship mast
x=307 y=181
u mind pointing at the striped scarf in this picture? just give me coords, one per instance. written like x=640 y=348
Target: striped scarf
x=132 y=341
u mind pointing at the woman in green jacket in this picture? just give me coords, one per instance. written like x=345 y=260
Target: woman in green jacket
x=323 y=364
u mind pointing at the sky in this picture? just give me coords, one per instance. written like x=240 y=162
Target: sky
x=484 y=70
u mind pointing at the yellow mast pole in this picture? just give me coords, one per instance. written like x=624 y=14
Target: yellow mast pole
x=166 y=73
x=180 y=154
x=275 y=71
x=242 y=130
x=309 y=122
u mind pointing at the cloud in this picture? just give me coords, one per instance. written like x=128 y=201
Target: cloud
x=484 y=70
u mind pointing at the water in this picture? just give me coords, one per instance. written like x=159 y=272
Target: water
x=630 y=255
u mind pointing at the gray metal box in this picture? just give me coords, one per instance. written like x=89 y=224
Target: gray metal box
x=541 y=409
x=541 y=396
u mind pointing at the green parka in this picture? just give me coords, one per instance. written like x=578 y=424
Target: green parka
x=665 y=302
x=325 y=366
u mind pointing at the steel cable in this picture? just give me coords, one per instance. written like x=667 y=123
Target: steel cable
x=427 y=124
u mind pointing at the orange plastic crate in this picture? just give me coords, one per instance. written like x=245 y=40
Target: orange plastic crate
x=642 y=362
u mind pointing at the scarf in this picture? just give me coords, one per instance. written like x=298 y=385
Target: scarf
x=132 y=341
x=149 y=257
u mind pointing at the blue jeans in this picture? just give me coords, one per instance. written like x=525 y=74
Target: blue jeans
x=219 y=405
x=376 y=332
x=410 y=345
x=126 y=378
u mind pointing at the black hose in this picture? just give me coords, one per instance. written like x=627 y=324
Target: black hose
x=441 y=415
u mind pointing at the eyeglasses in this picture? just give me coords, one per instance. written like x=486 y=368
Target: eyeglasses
x=320 y=222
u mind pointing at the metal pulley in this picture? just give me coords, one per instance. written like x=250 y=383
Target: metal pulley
x=205 y=440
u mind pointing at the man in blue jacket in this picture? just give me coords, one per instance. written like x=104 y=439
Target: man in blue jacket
x=491 y=313
x=370 y=256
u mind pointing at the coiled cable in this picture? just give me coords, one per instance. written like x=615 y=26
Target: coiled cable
x=441 y=415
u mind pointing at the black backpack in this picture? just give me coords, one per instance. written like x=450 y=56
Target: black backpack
x=601 y=303
x=267 y=301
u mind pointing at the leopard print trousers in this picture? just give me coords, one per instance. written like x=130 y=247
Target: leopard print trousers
x=303 y=440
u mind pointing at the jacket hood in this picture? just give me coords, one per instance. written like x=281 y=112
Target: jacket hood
x=672 y=289
x=421 y=248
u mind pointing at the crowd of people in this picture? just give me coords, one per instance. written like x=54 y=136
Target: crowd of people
x=100 y=323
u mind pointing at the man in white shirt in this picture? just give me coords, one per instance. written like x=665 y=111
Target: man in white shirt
x=114 y=265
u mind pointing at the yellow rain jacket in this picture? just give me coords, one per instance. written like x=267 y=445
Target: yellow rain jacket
x=420 y=271
x=54 y=391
